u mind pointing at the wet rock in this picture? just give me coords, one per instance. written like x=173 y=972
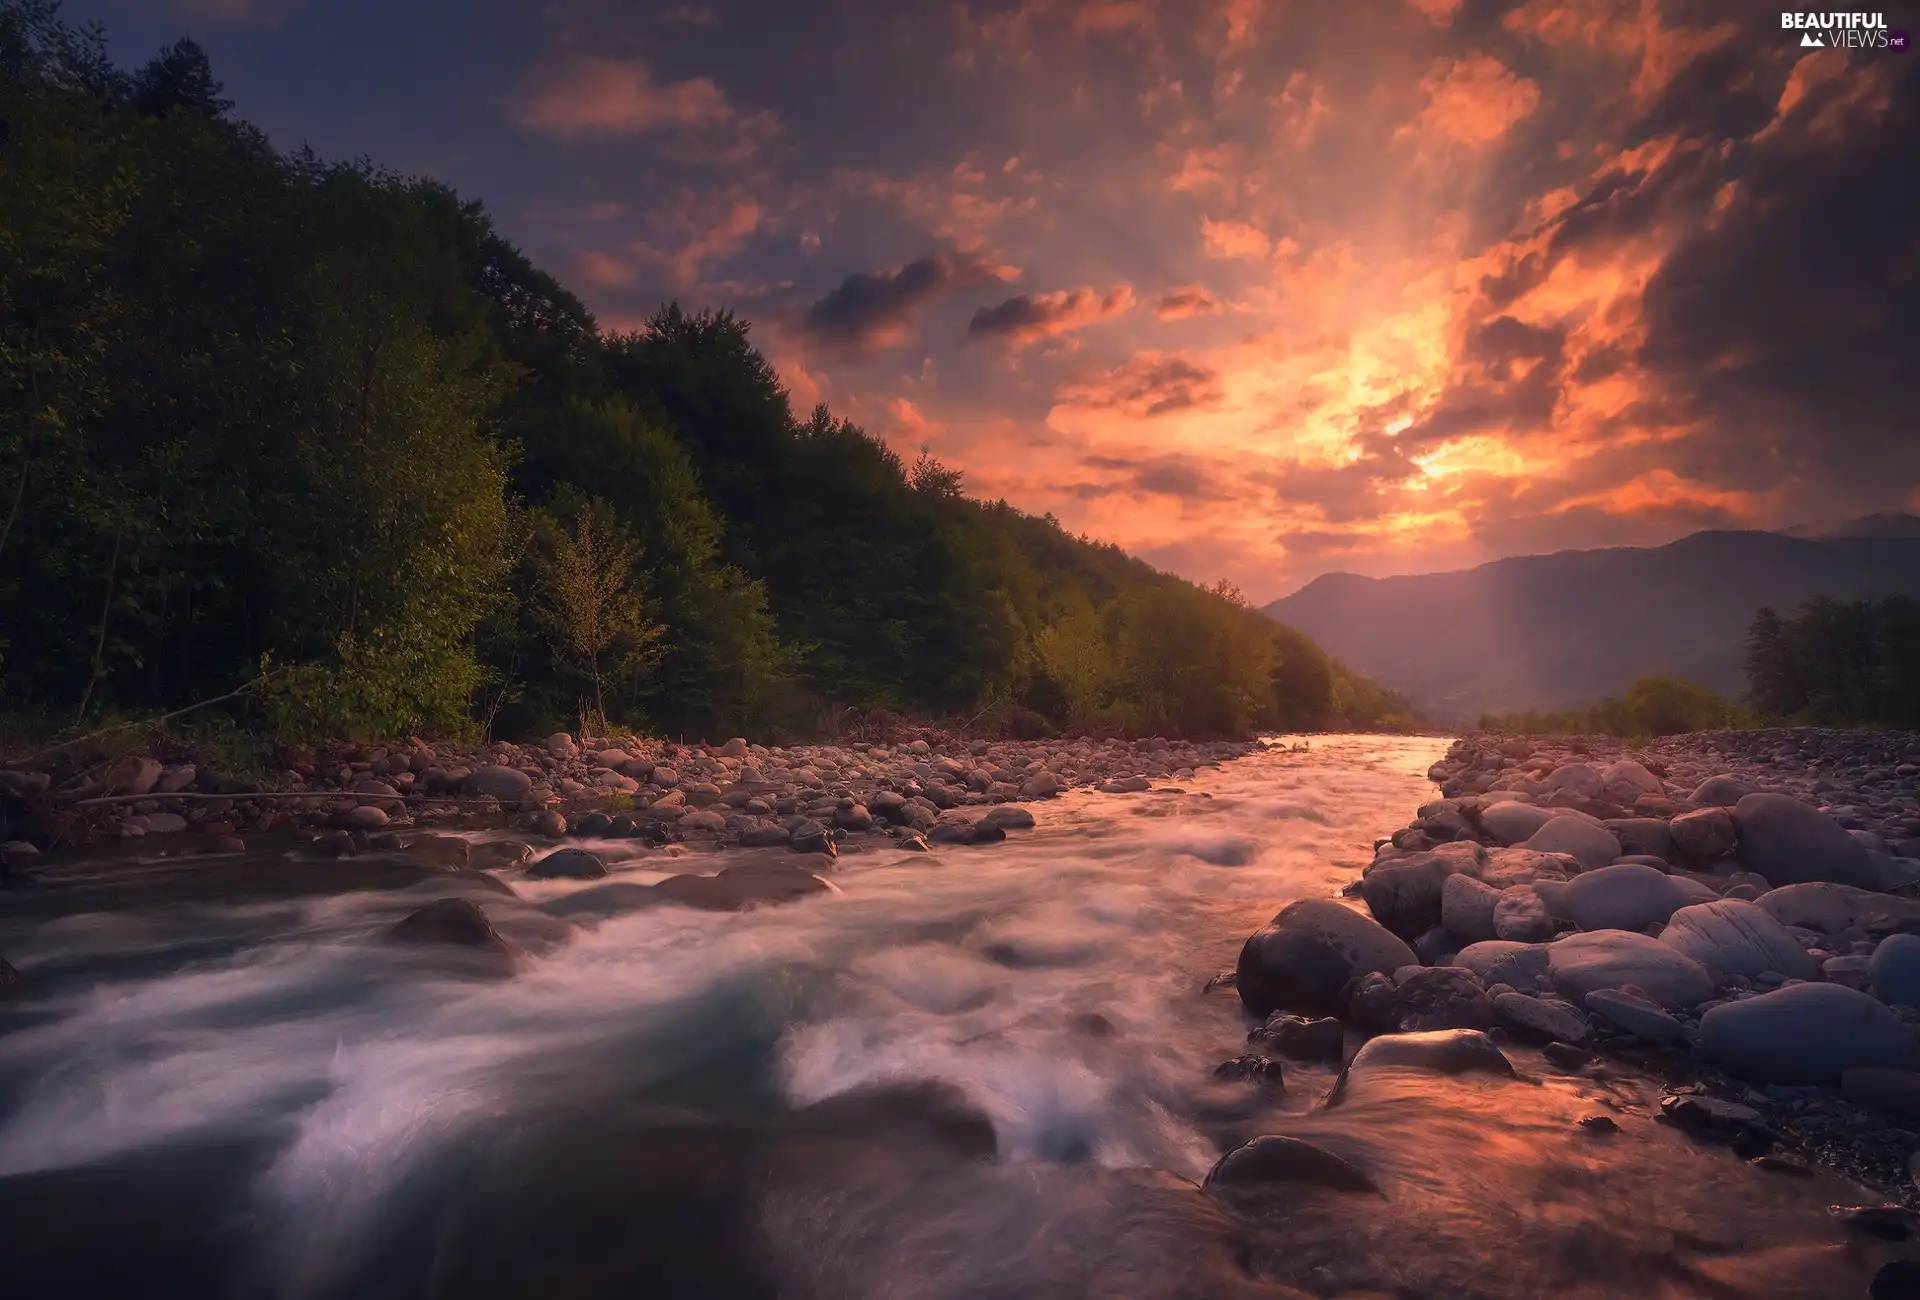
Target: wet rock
x=1887 y=1091
x=739 y=889
x=568 y=864
x=702 y=819
x=364 y=818
x=1623 y=897
x=1041 y=785
x=550 y=824
x=1638 y=1016
x=760 y=837
x=1304 y=957
x=1261 y=1070
x=1806 y=1033
x=1884 y=1222
x=506 y=784
x=1302 y=1038
x=1730 y=937
x=1009 y=817
x=1790 y=842
x=1446 y=1051
x=1894 y=971
x=1404 y=894
x=1719 y=1121
x=1897 y=1279
x=1705 y=834
x=1419 y=999
x=1436 y=947
x=807 y=836
x=1565 y=1056
x=1593 y=845
x=332 y=844
x=1539 y=1018
x=458 y=923
x=1275 y=1159
x=593 y=825
x=913 y=843
x=1466 y=908
x=1578 y=964
x=1600 y=1125
x=1521 y=915
x=964 y=832
x=450 y=852
x=1126 y=785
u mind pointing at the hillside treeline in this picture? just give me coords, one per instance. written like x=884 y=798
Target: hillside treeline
x=312 y=425
x=1838 y=663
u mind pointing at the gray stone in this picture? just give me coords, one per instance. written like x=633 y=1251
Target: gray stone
x=1638 y=1016
x=1625 y=781
x=1041 y=785
x=1806 y=1034
x=568 y=864
x=762 y=837
x=1421 y=998
x=1578 y=778
x=503 y=783
x=1513 y=823
x=1404 y=894
x=1644 y=837
x=1466 y=908
x=1518 y=866
x=1705 y=834
x=365 y=818
x=1722 y=791
x=1444 y=1051
x=1730 y=937
x=1303 y=958
x=1304 y=1039
x=1623 y=897
x=1830 y=908
x=1272 y=1158
x=1500 y=961
x=1894 y=970
x=1521 y=915
x=1594 y=846
x=1540 y=1018
x=1790 y=842
x=1578 y=964
x=1008 y=817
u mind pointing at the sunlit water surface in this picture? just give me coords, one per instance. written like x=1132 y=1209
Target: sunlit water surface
x=258 y=1100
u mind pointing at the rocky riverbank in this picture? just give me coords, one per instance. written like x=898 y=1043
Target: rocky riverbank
x=344 y=798
x=1734 y=912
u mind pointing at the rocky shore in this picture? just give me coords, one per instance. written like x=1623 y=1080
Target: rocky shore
x=1732 y=912
x=347 y=799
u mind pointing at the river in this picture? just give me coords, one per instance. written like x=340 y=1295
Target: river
x=984 y=1073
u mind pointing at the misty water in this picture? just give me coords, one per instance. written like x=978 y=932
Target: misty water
x=985 y=1073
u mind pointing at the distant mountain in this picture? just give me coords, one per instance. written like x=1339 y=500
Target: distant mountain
x=1556 y=631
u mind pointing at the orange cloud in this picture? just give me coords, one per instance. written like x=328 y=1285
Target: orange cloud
x=1029 y=317
x=1472 y=101
x=1227 y=239
x=1188 y=300
x=589 y=95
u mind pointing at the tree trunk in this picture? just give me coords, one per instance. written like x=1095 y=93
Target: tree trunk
x=100 y=640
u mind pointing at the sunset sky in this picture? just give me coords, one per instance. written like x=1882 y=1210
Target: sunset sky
x=1256 y=288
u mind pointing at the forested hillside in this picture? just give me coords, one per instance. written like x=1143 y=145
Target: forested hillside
x=273 y=419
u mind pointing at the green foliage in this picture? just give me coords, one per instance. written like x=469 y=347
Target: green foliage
x=1838 y=664
x=1651 y=706
x=254 y=405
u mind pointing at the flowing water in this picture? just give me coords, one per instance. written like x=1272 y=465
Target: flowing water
x=988 y=1073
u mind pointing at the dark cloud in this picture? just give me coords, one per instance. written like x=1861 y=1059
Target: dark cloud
x=1147 y=387
x=1170 y=476
x=1180 y=303
x=874 y=309
x=1029 y=316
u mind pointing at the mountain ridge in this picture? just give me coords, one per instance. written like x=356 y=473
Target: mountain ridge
x=1565 y=628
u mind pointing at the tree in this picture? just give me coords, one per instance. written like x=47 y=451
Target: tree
x=178 y=77
x=586 y=597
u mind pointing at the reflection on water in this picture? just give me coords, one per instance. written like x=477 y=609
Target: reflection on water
x=255 y=1100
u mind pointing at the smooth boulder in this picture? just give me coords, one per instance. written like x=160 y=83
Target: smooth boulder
x=1404 y=894
x=1705 y=834
x=1731 y=937
x=1611 y=959
x=1502 y=961
x=1275 y=1159
x=1592 y=844
x=1466 y=908
x=1790 y=843
x=1830 y=908
x=568 y=864
x=1806 y=1034
x=1444 y=1051
x=1894 y=970
x=1512 y=822
x=506 y=784
x=1723 y=791
x=1303 y=958
x=1627 y=896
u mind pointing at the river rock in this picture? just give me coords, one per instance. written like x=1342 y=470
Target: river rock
x=1638 y=1016
x=458 y=923
x=1521 y=916
x=1877 y=1088
x=1579 y=964
x=506 y=784
x=1831 y=908
x=1723 y=791
x=1301 y=1037
x=1466 y=908
x=1303 y=958
x=761 y=837
x=1272 y=1158
x=1444 y=1051
x=1626 y=781
x=561 y=746
x=568 y=864
x=1010 y=817
x=1540 y=1018
x=1806 y=1034
x=1627 y=896
x=1404 y=893
x=1705 y=834
x=1591 y=844
x=1790 y=842
x=1041 y=785
x=1730 y=937
x=1579 y=778
x=130 y=774
x=1502 y=961
x=1421 y=998
x=1518 y=866
x=1644 y=837
x=1513 y=823
x=367 y=817
x=1894 y=970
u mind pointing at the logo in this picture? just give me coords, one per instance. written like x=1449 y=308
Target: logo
x=1843 y=31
